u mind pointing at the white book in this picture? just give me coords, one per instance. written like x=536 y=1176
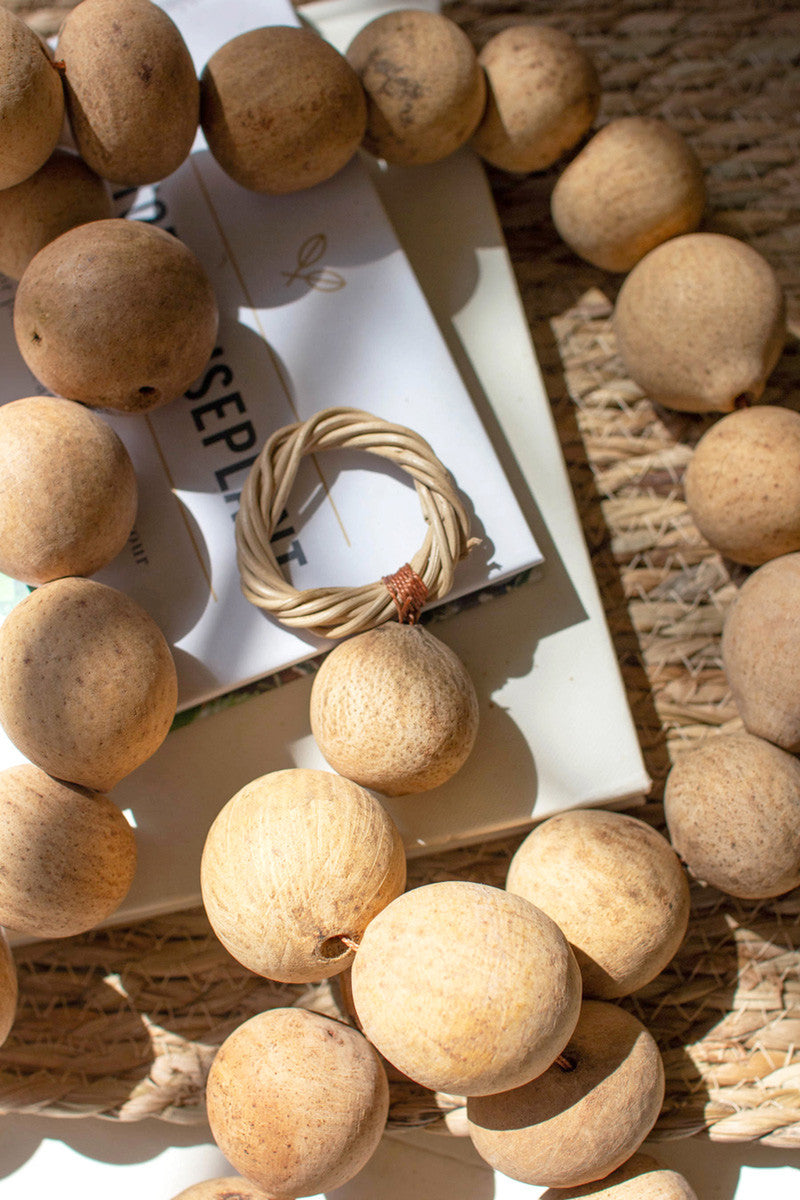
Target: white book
x=555 y=728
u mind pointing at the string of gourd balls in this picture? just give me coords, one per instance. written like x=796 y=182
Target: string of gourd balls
x=630 y=200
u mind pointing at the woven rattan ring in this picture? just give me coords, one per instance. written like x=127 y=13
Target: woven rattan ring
x=336 y=612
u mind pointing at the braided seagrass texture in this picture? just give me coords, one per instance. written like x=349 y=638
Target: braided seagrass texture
x=125 y=1021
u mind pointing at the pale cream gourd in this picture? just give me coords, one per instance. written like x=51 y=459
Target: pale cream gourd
x=394 y=709
x=132 y=93
x=31 y=101
x=297 y=1102
x=742 y=484
x=642 y=1177
x=281 y=109
x=760 y=638
x=294 y=867
x=615 y=888
x=543 y=94
x=732 y=806
x=465 y=988
x=69 y=492
x=424 y=86
x=88 y=686
x=700 y=323
x=635 y=184
x=69 y=855
x=116 y=314
x=63 y=193
x=586 y=1115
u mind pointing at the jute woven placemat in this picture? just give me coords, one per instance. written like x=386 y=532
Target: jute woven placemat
x=124 y=1022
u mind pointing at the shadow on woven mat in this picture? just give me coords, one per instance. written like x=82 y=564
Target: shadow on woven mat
x=150 y=1002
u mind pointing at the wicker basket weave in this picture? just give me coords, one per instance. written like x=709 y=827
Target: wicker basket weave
x=124 y=1022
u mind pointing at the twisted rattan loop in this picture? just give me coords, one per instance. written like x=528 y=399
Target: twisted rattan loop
x=336 y=612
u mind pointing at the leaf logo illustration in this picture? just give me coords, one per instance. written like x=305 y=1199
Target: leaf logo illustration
x=321 y=280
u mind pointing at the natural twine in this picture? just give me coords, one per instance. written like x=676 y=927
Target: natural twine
x=337 y=612
x=124 y=1022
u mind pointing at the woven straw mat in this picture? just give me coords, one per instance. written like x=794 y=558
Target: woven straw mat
x=124 y=1021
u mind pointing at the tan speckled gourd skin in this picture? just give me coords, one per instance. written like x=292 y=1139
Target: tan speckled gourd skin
x=570 y=1127
x=294 y=862
x=394 y=709
x=281 y=109
x=640 y=1178
x=132 y=93
x=635 y=184
x=425 y=89
x=69 y=856
x=615 y=888
x=543 y=95
x=760 y=638
x=68 y=490
x=8 y=987
x=700 y=322
x=465 y=988
x=31 y=101
x=742 y=484
x=60 y=195
x=116 y=314
x=88 y=686
x=228 y=1187
x=297 y=1102
x=732 y=806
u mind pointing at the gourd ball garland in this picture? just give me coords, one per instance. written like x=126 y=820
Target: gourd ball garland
x=294 y=868
x=88 y=686
x=636 y=183
x=69 y=494
x=281 y=109
x=425 y=89
x=642 y=1177
x=584 y=1116
x=742 y=484
x=69 y=855
x=31 y=101
x=543 y=94
x=297 y=1102
x=131 y=90
x=394 y=709
x=484 y=989
x=116 y=314
x=63 y=193
x=700 y=322
x=615 y=888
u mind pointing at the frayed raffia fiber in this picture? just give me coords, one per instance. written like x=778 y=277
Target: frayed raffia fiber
x=123 y=1022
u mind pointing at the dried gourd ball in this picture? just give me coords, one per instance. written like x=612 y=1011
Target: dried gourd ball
x=700 y=323
x=69 y=855
x=31 y=101
x=8 y=987
x=294 y=867
x=760 y=638
x=394 y=709
x=543 y=95
x=225 y=1187
x=297 y=1102
x=116 y=314
x=636 y=183
x=640 y=1178
x=425 y=89
x=131 y=89
x=88 y=686
x=63 y=193
x=615 y=888
x=68 y=491
x=586 y=1115
x=742 y=484
x=465 y=988
x=281 y=109
x=732 y=806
